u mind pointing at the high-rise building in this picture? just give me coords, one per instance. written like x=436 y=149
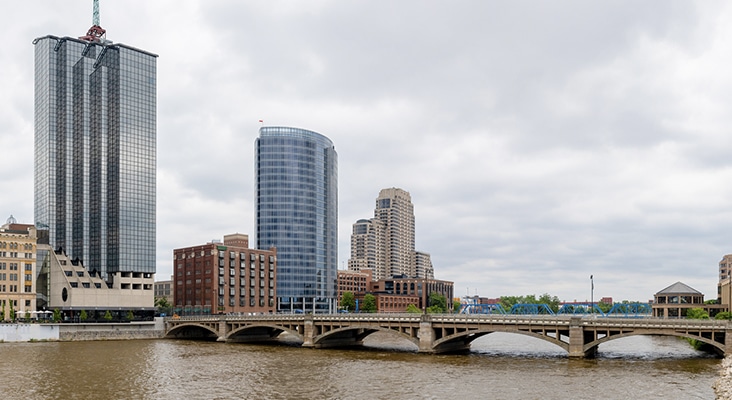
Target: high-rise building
x=297 y=212
x=95 y=151
x=385 y=243
x=368 y=242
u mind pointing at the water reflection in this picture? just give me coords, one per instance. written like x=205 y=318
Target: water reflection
x=500 y=366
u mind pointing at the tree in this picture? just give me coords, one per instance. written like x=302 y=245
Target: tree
x=107 y=316
x=369 y=303
x=130 y=315
x=437 y=303
x=163 y=305
x=56 y=315
x=12 y=312
x=723 y=315
x=348 y=301
x=83 y=316
x=697 y=313
x=412 y=309
x=2 y=316
x=456 y=305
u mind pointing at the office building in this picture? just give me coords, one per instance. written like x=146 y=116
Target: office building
x=385 y=243
x=297 y=212
x=17 y=269
x=395 y=294
x=226 y=277
x=95 y=153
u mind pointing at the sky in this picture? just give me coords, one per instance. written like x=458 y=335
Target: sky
x=541 y=142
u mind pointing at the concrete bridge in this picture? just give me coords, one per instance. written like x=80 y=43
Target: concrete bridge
x=440 y=333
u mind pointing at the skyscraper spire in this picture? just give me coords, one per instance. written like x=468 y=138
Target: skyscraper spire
x=96 y=33
x=95 y=17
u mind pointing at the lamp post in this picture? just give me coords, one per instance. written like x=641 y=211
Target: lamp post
x=592 y=295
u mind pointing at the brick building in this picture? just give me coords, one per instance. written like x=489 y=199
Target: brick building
x=224 y=278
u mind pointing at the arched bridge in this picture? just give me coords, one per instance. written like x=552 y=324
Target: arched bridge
x=439 y=333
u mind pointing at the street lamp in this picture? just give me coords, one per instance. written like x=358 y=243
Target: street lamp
x=592 y=295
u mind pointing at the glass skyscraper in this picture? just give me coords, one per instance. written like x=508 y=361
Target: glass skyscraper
x=95 y=151
x=297 y=212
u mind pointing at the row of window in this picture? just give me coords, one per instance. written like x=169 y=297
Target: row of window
x=15 y=246
x=14 y=254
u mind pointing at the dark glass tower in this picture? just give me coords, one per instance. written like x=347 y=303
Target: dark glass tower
x=297 y=212
x=95 y=150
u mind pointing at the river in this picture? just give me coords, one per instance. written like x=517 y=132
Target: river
x=499 y=366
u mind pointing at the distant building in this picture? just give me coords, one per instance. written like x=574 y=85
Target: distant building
x=725 y=267
x=297 y=212
x=17 y=268
x=164 y=289
x=395 y=294
x=606 y=300
x=676 y=300
x=355 y=282
x=385 y=243
x=226 y=277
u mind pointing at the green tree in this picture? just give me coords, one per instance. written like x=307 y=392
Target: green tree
x=130 y=315
x=348 y=301
x=107 y=316
x=163 y=306
x=369 y=303
x=83 y=316
x=12 y=312
x=549 y=300
x=456 y=305
x=605 y=307
x=723 y=315
x=56 y=315
x=437 y=303
x=697 y=313
x=413 y=309
x=2 y=317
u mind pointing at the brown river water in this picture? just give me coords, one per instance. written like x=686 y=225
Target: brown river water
x=499 y=366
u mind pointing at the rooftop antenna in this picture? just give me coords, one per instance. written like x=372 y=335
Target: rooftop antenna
x=96 y=33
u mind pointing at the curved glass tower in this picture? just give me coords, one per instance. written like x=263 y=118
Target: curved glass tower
x=297 y=212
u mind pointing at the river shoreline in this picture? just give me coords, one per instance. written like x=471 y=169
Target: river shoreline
x=723 y=385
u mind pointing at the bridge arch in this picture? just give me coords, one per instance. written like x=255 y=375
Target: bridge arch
x=260 y=332
x=592 y=346
x=193 y=330
x=356 y=335
x=465 y=338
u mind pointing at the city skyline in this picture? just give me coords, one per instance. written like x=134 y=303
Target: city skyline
x=542 y=143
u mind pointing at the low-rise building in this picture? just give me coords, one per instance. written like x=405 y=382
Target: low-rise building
x=676 y=300
x=396 y=293
x=17 y=269
x=226 y=277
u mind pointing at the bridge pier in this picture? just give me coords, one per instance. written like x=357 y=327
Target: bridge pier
x=223 y=330
x=728 y=340
x=308 y=332
x=577 y=340
x=426 y=335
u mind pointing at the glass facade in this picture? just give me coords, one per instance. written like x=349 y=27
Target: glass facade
x=297 y=212
x=95 y=152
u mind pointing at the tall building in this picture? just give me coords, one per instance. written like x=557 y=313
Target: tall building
x=394 y=208
x=385 y=243
x=224 y=277
x=368 y=242
x=297 y=212
x=95 y=151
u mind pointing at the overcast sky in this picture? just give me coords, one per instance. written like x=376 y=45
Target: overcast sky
x=542 y=142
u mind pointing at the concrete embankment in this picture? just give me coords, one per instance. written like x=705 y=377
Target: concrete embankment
x=79 y=332
x=723 y=385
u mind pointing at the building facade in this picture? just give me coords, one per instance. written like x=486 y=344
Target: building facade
x=356 y=282
x=226 y=277
x=17 y=269
x=297 y=212
x=385 y=243
x=676 y=300
x=95 y=151
x=725 y=267
x=395 y=294
x=164 y=289
x=368 y=241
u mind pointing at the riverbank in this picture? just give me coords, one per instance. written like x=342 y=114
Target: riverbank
x=723 y=385
x=81 y=332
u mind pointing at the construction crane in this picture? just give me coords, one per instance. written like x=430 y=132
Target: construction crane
x=96 y=33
